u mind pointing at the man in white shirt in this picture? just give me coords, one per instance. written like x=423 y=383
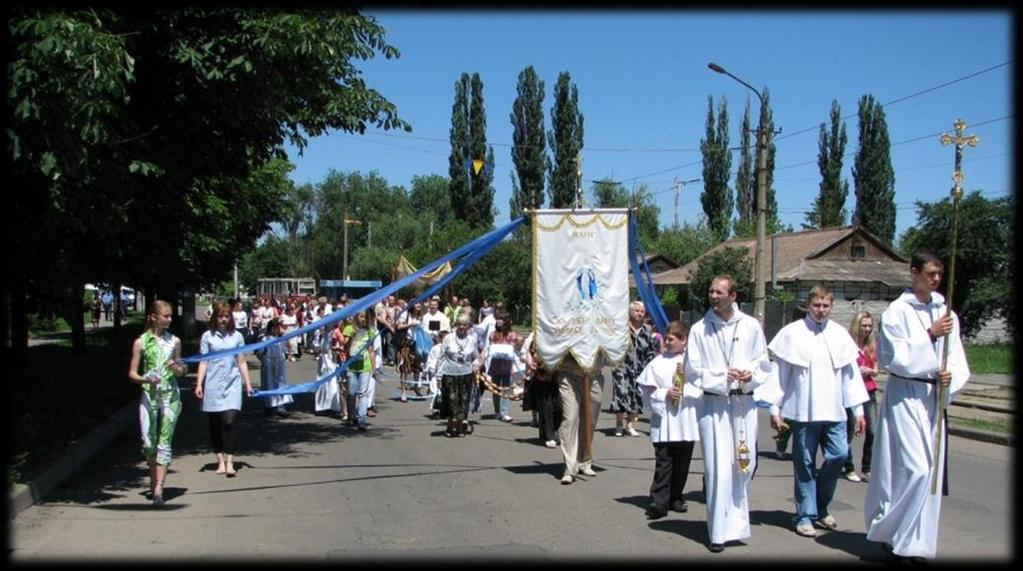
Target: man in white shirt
x=435 y=321
x=819 y=379
x=727 y=370
x=900 y=509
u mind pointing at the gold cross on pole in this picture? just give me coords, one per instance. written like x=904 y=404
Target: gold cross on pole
x=959 y=140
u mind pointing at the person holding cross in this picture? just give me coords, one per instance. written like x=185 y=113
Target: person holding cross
x=902 y=504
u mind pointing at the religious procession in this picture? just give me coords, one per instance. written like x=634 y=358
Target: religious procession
x=703 y=385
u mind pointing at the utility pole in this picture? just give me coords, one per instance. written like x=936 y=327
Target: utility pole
x=678 y=185
x=579 y=181
x=759 y=295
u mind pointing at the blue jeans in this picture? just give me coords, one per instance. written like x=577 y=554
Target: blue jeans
x=358 y=396
x=502 y=407
x=815 y=487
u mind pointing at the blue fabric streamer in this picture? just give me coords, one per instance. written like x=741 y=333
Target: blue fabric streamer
x=644 y=282
x=484 y=242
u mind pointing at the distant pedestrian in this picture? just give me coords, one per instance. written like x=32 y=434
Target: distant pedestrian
x=459 y=364
x=360 y=369
x=96 y=309
x=155 y=364
x=862 y=331
x=272 y=371
x=219 y=385
x=626 y=401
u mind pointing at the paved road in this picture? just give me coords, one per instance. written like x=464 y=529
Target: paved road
x=309 y=490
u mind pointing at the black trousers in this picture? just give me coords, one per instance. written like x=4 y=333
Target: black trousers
x=671 y=470
x=548 y=409
x=222 y=430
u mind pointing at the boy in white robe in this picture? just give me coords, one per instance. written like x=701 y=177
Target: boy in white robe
x=816 y=360
x=900 y=509
x=727 y=369
x=673 y=426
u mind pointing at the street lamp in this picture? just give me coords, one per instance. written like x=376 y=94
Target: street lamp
x=763 y=136
x=344 y=266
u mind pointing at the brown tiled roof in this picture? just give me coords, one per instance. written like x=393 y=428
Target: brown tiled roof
x=795 y=249
x=893 y=274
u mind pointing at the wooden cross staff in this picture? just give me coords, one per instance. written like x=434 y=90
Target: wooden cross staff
x=959 y=140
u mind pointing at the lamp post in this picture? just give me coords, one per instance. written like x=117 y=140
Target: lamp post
x=762 y=138
x=679 y=183
x=344 y=264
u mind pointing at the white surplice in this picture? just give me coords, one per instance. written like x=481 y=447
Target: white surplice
x=899 y=509
x=724 y=420
x=669 y=422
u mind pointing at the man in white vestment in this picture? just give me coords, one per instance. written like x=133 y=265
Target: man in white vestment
x=900 y=509
x=727 y=371
x=819 y=379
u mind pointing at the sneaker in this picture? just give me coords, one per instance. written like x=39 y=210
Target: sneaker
x=506 y=418
x=551 y=444
x=806 y=529
x=618 y=432
x=679 y=506
x=865 y=476
x=587 y=471
x=852 y=476
x=362 y=428
x=828 y=521
x=567 y=479
x=632 y=431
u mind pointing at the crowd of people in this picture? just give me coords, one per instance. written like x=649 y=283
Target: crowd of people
x=700 y=384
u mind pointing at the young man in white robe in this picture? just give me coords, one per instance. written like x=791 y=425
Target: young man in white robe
x=900 y=509
x=728 y=370
x=673 y=426
x=819 y=379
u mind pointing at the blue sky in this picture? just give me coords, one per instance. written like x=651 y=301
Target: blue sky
x=643 y=85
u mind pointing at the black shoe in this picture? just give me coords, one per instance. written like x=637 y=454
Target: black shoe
x=717 y=547
x=362 y=428
x=679 y=506
x=467 y=427
x=654 y=511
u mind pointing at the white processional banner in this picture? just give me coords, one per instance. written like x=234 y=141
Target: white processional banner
x=580 y=285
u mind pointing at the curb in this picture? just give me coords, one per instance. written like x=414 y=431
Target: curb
x=983 y=435
x=24 y=496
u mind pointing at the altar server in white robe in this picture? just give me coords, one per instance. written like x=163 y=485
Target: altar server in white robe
x=816 y=360
x=728 y=370
x=900 y=509
x=673 y=427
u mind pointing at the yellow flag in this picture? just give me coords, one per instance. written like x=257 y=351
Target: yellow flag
x=477 y=165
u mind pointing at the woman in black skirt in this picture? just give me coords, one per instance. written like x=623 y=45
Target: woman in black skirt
x=459 y=364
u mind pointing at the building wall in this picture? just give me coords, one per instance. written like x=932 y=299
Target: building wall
x=843 y=251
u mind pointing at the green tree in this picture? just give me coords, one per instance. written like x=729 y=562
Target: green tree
x=745 y=178
x=985 y=234
x=529 y=151
x=829 y=208
x=481 y=189
x=872 y=172
x=430 y=193
x=771 y=209
x=460 y=185
x=685 y=244
x=734 y=261
x=566 y=141
x=611 y=194
x=128 y=122
x=717 y=163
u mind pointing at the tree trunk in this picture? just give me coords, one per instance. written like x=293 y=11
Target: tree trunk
x=75 y=317
x=19 y=325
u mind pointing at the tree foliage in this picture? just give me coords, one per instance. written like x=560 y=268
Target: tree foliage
x=745 y=177
x=717 y=163
x=736 y=262
x=566 y=141
x=984 y=256
x=829 y=208
x=129 y=124
x=529 y=151
x=611 y=194
x=872 y=172
x=686 y=243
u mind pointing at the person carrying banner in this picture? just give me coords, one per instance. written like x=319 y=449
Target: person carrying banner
x=727 y=369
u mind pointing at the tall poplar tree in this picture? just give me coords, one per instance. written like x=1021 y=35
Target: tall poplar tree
x=746 y=179
x=717 y=163
x=481 y=184
x=566 y=140
x=872 y=172
x=771 y=210
x=829 y=208
x=529 y=151
x=459 y=185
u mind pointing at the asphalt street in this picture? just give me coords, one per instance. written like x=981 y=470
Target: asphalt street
x=310 y=490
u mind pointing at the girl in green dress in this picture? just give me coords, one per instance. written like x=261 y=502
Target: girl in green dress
x=156 y=365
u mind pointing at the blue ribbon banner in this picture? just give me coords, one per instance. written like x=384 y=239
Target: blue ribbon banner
x=643 y=279
x=475 y=249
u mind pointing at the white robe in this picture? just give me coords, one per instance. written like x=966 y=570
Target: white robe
x=714 y=347
x=899 y=508
x=328 y=395
x=817 y=372
x=669 y=422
